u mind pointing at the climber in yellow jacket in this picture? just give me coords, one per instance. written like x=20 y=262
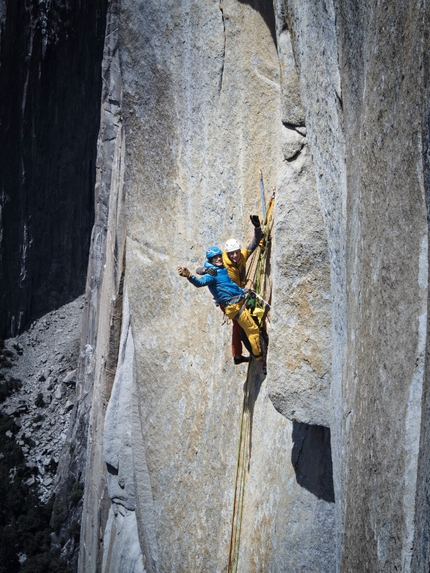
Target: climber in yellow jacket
x=234 y=260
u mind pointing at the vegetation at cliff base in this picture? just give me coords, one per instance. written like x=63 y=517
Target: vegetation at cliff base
x=25 y=533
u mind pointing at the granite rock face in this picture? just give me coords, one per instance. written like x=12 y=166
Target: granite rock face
x=331 y=100
x=212 y=93
x=364 y=81
x=300 y=329
x=200 y=108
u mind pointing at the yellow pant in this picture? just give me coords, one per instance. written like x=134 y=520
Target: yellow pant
x=246 y=322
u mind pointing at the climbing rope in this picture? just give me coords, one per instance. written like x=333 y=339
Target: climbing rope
x=256 y=276
x=241 y=471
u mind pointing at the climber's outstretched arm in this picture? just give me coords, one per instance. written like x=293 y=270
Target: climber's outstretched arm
x=205 y=280
x=257 y=233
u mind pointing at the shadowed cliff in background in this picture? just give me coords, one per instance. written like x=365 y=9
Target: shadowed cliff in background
x=50 y=88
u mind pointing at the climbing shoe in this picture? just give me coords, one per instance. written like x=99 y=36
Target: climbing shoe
x=240 y=359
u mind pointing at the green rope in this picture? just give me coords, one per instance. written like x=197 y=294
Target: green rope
x=260 y=268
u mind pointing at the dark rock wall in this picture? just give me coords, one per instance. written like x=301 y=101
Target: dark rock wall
x=50 y=88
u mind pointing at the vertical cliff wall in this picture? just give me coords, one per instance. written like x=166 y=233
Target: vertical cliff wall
x=308 y=92
x=50 y=100
x=330 y=99
x=206 y=102
x=211 y=95
x=364 y=81
x=387 y=273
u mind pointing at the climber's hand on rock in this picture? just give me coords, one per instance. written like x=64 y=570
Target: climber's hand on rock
x=255 y=220
x=184 y=272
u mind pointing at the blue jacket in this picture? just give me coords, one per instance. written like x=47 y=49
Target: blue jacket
x=222 y=288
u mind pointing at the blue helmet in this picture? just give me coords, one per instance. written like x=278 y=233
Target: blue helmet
x=213 y=252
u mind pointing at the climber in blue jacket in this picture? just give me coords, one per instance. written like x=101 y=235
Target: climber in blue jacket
x=227 y=294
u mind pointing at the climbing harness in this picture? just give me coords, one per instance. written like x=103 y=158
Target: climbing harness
x=235 y=300
x=254 y=301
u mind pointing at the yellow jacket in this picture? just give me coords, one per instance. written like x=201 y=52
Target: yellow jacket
x=237 y=271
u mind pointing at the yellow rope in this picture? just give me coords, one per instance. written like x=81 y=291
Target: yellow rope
x=241 y=467
x=248 y=402
x=257 y=266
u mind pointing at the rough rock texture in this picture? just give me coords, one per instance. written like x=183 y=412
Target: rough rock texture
x=38 y=374
x=364 y=80
x=300 y=346
x=49 y=112
x=201 y=109
x=103 y=312
x=300 y=333
x=387 y=270
x=43 y=361
x=331 y=100
x=204 y=108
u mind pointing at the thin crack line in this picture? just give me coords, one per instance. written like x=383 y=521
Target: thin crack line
x=223 y=53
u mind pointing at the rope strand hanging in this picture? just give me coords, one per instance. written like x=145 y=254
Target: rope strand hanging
x=256 y=278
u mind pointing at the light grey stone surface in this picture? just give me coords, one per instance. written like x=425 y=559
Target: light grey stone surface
x=118 y=426
x=123 y=552
x=314 y=37
x=365 y=94
x=299 y=369
x=210 y=98
x=122 y=549
x=292 y=143
x=201 y=111
x=291 y=105
x=387 y=268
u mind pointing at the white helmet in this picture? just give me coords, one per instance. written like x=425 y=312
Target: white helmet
x=232 y=245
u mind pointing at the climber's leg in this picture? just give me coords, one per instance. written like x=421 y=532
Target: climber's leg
x=236 y=339
x=246 y=322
